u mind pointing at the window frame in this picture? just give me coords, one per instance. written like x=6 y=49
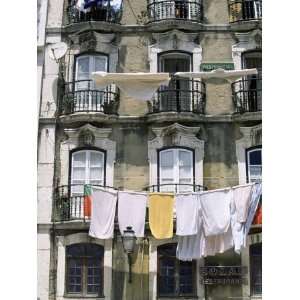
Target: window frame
x=88 y=54
x=249 y=150
x=252 y=293
x=177 y=274
x=104 y=152
x=182 y=53
x=84 y=276
x=174 y=148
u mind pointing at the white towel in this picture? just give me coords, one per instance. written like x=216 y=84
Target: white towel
x=241 y=198
x=103 y=213
x=187 y=207
x=132 y=211
x=215 y=208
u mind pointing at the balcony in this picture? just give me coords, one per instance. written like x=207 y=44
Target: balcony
x=69 y=203
x=244 y=10
x=81 y=96
x=104 y=13
x=175 y=187
x=190 y=10
x=181 y=95
x=247 y=94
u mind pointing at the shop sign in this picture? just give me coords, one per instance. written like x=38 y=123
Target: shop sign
x=207 y=67
x=229 y=275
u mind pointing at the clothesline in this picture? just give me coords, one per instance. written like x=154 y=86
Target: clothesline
x=208 y=222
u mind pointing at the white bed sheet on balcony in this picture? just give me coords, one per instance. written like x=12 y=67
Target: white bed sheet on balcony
x=140 y=86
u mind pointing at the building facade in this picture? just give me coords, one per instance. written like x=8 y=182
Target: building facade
x=193 y=134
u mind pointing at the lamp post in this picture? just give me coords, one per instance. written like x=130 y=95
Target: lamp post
x=129 y=240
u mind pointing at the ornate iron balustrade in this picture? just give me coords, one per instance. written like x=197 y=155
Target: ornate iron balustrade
x=104 y=13
x=82 y=96
x=244 y=10
x=247 y=94
x=191 y=10
x=69 y=203
x=175 y=187
x=181 y=95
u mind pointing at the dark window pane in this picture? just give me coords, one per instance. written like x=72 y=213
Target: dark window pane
x=76 y=250
x=94 y=250
x=256 y=269
x=167 y=250
x=186 y=278
x=255 y=157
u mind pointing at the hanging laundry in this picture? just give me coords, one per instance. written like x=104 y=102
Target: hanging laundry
x=220 y=243
x=255 y=197
x=80 y=5
x=191 y=247
x=215 y=208
x=239 y=208
x=241 y=198
x=91 y=3
x=140 y=86
x=187 y=213
x=161 y=214
x=103 y=213
x=87 y=201
x=132 y=211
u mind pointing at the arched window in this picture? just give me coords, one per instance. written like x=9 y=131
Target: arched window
x=87 y=167
x=84 y=269
x=175 y=278
x=254 y=164
x=176 y=166
x=255 y=252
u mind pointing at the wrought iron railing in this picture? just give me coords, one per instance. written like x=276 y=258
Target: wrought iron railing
x=181 y=95
x=191 y=10
x=82 y=96
x=175 y=187
x=247 y=94
x=244 y=10
x=105 y=13
x=69 y=203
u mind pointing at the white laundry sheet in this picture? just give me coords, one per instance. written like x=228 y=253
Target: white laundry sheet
x=187 y=213
x=239 y=209
x=218 y=73
x=103 y=213
x=140 y=86
x=241 y=197
x=215 y=210
x=132 y=211
x=198 y=246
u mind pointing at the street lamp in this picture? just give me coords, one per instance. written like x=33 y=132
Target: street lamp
x=129 y=240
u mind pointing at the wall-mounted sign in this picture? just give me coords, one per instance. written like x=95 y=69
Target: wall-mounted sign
x=207 y=67
x=229 y=275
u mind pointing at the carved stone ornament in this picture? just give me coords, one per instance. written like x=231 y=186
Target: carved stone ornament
x=87 y=41
x=86 y=138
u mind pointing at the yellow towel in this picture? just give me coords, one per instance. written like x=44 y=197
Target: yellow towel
x=161 y=215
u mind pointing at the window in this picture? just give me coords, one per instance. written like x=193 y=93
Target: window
x=254 y=164
x=88 y=167
x=84 y=269
x=176 y=166
x=256 y=268
x=175 y=277
x=177 y=96
x=86 y=96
